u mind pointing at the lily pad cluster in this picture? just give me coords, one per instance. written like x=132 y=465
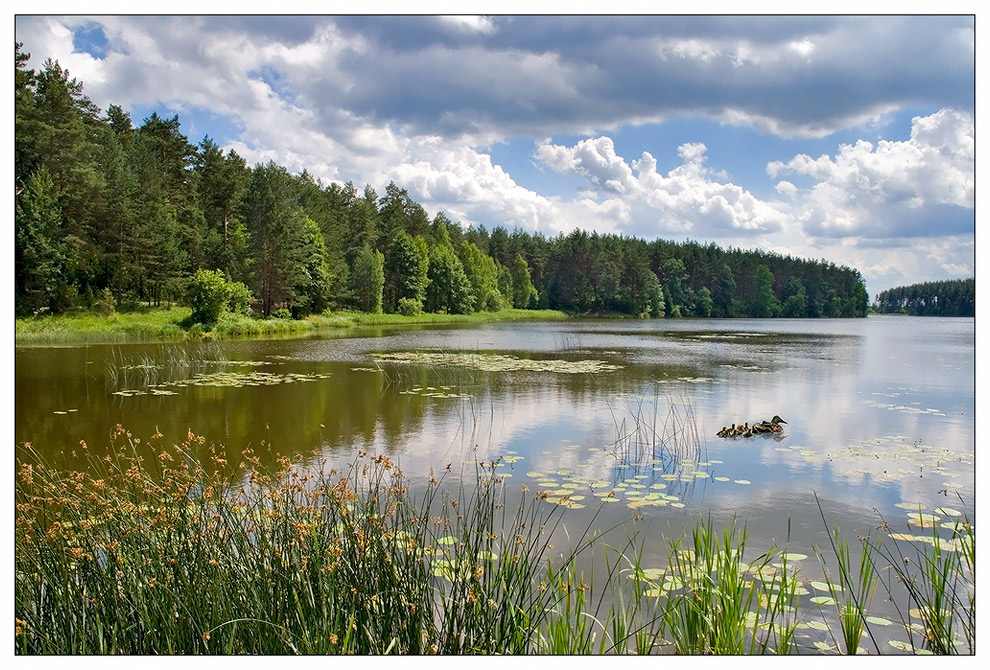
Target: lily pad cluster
x=225 y=379
x=655 y=483
x=434 y=392
x=895 y=458
x=496 y=362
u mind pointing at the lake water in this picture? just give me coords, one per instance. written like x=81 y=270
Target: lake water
x=879 y=412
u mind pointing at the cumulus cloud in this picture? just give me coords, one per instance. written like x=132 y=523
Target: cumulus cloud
x=419 y=100
x=688 y=199
x=921 y=186
x=533 y=76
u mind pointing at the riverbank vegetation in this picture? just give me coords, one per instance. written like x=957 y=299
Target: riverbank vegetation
x=110 y=216
x=956 y=297
x=159 y=548
x=175 y=323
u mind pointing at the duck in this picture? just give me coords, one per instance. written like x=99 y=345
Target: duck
x=771 y=426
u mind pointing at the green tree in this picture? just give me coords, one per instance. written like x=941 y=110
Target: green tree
x=209 y=296
x=795 y=304
x=765 y=303
x=482 y=273
x=703 y=303
x=368 y=279
x=41 y=256
x=448 y=289
x=222 y=183
x=277 y=226
x=524 y=294
x=315 y=282
x=406 y=271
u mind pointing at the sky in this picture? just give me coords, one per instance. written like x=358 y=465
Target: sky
x=848 y=138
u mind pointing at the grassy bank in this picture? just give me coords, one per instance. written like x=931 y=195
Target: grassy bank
x=166 y=324
x=164 y=555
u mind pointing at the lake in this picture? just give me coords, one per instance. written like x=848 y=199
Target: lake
x=612 y=418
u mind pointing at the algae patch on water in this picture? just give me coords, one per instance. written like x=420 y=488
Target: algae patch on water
x=496 y=362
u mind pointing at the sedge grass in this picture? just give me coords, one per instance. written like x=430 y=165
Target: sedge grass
x=161 y=555
x=852 y=592
x=160 y=548
x=717 y=604
x=940 y=582
x=164 y=324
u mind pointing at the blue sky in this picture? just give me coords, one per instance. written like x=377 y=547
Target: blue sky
x=849 y=138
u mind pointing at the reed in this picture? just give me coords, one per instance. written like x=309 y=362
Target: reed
x=939 y=579
x=152 y=555
x=168 y=548
x=718 y=604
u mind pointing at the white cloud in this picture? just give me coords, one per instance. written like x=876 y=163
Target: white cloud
x=469 y=24
x=886 y=189
x=352 y=101
x=686 y=199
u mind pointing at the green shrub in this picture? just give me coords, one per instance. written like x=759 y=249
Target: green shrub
x=410 y=306
x=240 y=297
x=209 y=295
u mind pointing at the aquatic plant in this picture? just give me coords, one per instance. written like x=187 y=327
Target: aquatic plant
x=715 y=603
x=169 y=548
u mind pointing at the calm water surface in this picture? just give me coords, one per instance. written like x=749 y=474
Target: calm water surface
x=879 y=411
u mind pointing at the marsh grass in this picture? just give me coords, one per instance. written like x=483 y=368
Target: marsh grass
x=939 y=577
x=168 y=548
x=852 y=590
x=171 y=361
x=645 y=435
x=930 y=582
x=164 y=324
x=715 y=603
x=95 y=327
x=157 y=554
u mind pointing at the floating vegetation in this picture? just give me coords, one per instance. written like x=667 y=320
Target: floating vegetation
x=906 y=409
x=434 y=392
x=224 y=379
x=496 y=362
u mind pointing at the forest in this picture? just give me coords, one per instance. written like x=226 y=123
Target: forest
x=953 y=297
x=109 y=214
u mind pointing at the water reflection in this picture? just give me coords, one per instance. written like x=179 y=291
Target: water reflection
x=879 y=410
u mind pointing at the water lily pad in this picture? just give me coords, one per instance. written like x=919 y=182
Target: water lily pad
x=822 y=600
x=792 y=556
x=878 y=621
x=651 y=574
x=818 y=625
x=923 y=520
x=742 y=481
x=902 y=646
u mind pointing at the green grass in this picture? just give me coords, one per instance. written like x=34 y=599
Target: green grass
x=145 y=324
x=163 y=324
x=163 y=548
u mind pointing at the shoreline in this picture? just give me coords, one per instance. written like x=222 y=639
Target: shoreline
x=162 y=325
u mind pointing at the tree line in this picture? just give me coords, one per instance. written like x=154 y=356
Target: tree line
x=112 y=213
x=952 y=297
